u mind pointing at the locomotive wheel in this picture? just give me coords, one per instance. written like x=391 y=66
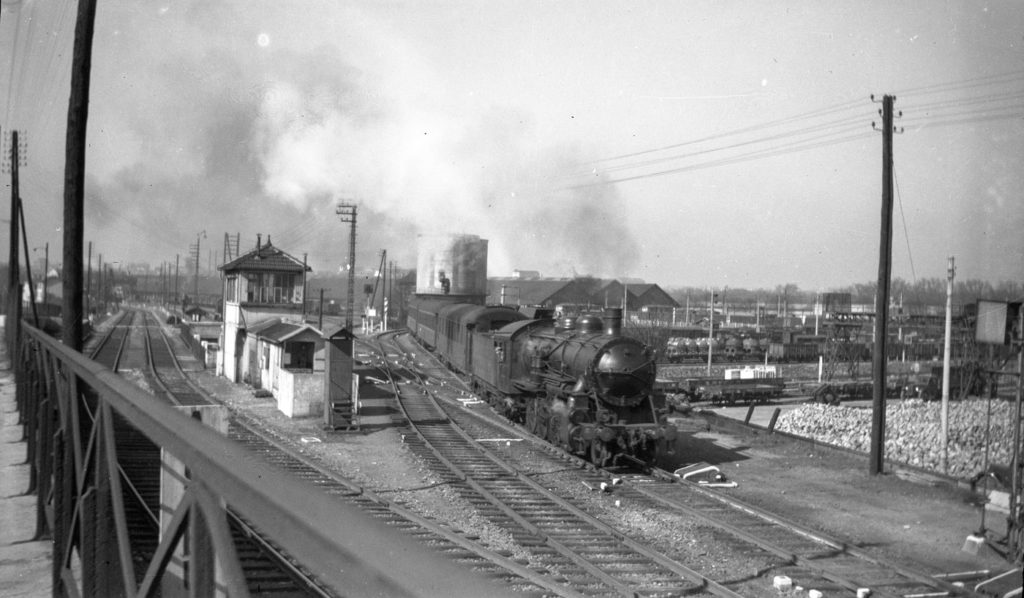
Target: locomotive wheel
x=539 y=424
x=599 y=454
x=531 y=417
x=556 y=423
x=651 y=450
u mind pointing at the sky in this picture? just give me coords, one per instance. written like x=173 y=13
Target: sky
x=708 y=144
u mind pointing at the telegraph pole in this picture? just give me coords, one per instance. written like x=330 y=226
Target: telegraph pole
x=876 y=463
x=100 y=298
x=88 y=281
x=74 y=176
x=177 y=264
x=46 y=270
x=304 y=257
x=28 y=266
x=13 y=272
x=711 y=330
x=347 y=212
x=950 y=272
x=196 y=256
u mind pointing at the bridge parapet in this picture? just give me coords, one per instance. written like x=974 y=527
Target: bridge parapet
x=72 y=408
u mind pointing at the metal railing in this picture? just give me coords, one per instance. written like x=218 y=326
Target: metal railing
x=71 y=408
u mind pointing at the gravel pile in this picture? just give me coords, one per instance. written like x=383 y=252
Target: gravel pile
x=913 y=431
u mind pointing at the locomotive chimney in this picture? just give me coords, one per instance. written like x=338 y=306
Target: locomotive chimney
x=612 y=321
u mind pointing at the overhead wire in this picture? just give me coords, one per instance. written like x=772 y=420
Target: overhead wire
x=833 y=127
x=755 y=155
x=975 y=82
x=947 y=114
x=36 y=44
x=945 y=122
x=969 y=101
x=14 y=64
x=757 y=127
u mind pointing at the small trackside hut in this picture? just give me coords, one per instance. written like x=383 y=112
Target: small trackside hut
x=291 y=365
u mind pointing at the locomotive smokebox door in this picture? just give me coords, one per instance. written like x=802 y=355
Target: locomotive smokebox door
x=339 y=402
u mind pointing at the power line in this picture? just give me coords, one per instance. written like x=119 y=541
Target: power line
x=834 y=128
x=797 y=145
x=608 y=165
x=965 y=102
x=965 y=84
x=819 y=112
x=761 y=154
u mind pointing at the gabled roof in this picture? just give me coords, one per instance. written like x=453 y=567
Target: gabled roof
x=335 y=331
x=263 y=259
x=639 y=289
x=262 y=325
x=279 y=332
x=523 y=292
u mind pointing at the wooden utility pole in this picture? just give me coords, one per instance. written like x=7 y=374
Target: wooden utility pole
x=711 y=330
x=28 y=266
x=320 y=318
x=304 y=256
x=876 y=463
x=196 y=256
x=88 y=281
x=46 y=270
x=101 y=299
x=13 y=323
x=946 y=351
x=74 y=177
x=177 y=265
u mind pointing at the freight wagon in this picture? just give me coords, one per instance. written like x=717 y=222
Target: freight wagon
x=749 y=384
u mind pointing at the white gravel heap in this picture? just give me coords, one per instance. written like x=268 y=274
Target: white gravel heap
x=913 y=431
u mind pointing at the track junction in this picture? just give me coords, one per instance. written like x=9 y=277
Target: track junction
x=517 y=483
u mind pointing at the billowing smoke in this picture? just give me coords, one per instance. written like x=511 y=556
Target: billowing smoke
x=244 y=131
x=490 y=175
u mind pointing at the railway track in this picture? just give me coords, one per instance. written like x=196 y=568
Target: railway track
x=784 y=547
x=109 y=346
x=172 y=382
x=592 y=557
x=269 y=571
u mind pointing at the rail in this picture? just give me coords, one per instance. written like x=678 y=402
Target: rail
x=70 y=407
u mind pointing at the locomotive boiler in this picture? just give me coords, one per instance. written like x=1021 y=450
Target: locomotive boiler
x=576 y=382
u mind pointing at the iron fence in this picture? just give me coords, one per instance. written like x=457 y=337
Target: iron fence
x=73 y=411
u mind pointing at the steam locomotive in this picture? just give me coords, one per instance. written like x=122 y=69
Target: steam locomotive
x=576 y=382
